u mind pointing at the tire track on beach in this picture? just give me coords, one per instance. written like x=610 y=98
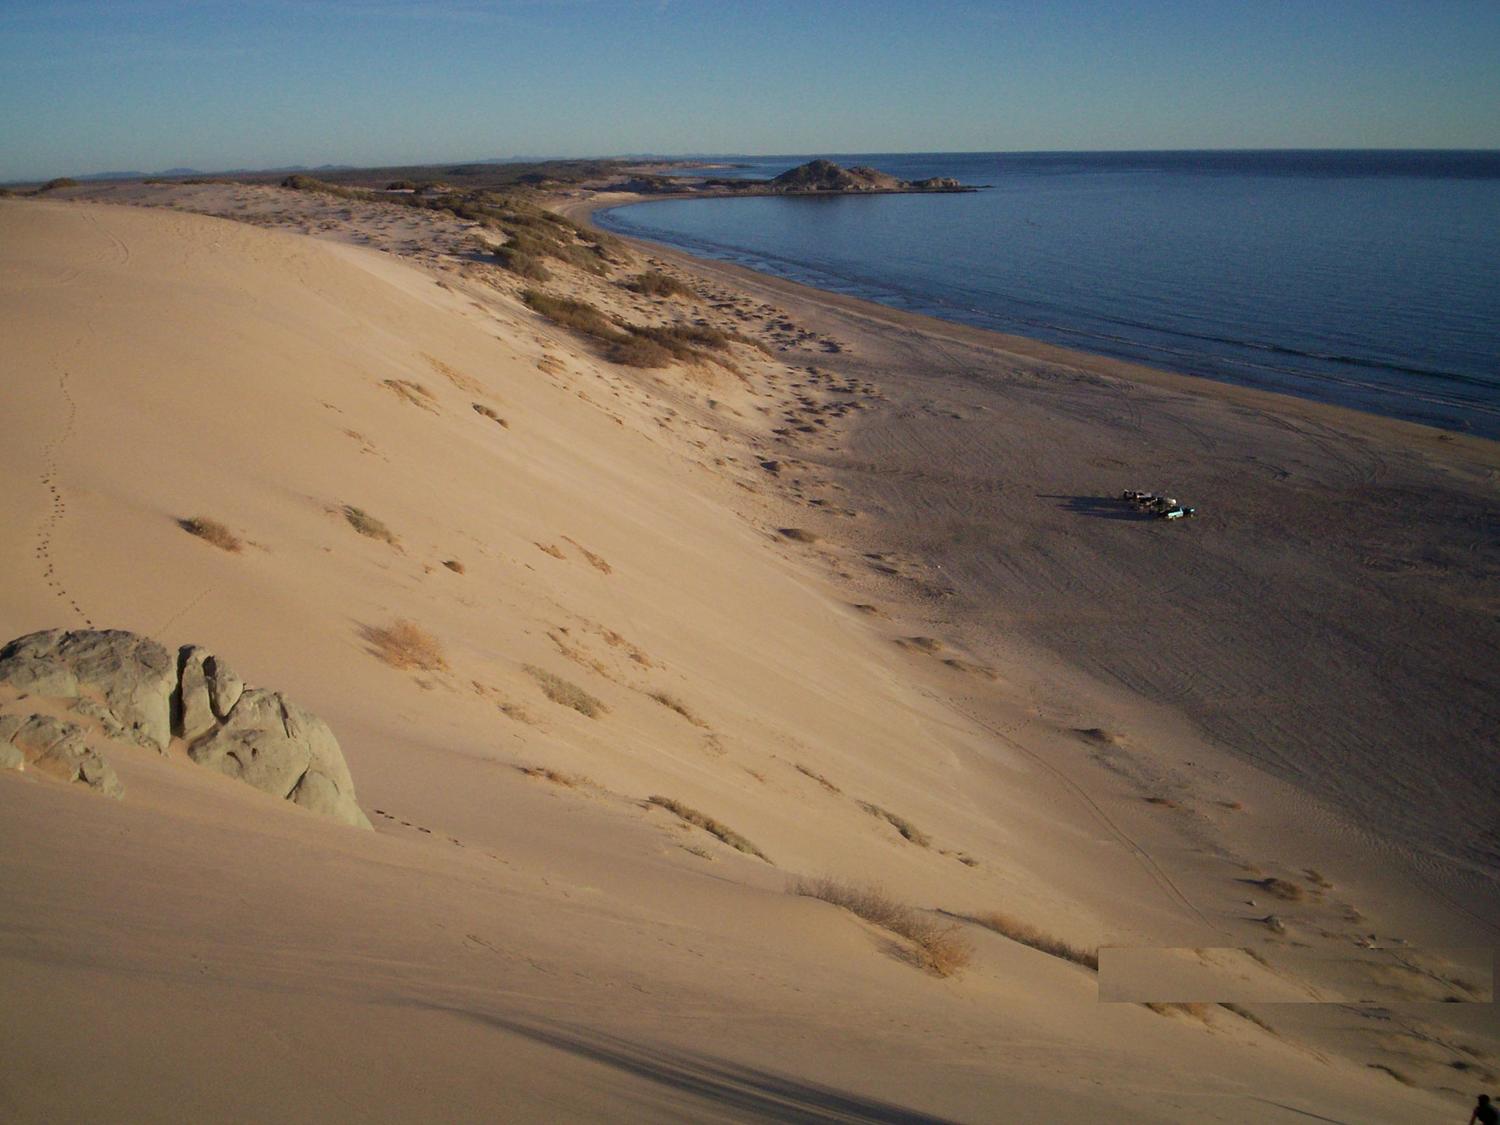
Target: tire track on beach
x=1144 y=858
x=57 y=506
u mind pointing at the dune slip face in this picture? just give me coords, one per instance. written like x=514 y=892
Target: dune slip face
x=695 y=790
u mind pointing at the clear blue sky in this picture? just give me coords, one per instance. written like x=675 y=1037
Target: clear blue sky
x=94 y=85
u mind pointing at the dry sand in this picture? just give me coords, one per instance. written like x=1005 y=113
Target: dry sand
x=1040 y=695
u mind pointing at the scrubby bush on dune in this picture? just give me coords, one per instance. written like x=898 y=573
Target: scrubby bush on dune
x=654 y=283
x=577 y=315
x=631 y=345
x=709 y=825
x=636 y=351
x=907 y=829
x=368 y=526
x=565 y=693
x=941 y=947
x=404 y=644
x=1027 y=934
x=522 y=264
x=211 y=531
x=60 y=182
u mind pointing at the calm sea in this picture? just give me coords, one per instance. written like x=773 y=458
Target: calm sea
x=1370 y=279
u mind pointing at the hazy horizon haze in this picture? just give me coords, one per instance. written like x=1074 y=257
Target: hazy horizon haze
x=154 y=84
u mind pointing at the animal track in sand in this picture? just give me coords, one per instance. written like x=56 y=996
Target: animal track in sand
x=454 y=840
x=57 y=506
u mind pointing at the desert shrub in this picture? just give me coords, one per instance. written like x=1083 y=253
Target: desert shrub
x=1190 y=1010
x=211 y=531
x=654 y=283
x=942 y=946
x=565 y=692
x=819 y=778
x=709 y=825
x=1281 y=889
x=1027 y=934
x=522 y=264
x=1246 y=1014
x=672 y=703
x=310 y=183
x=635 y=351
x=577 y=315
x=900 y=824
x=410 y=391
x=404 y=644
x=487 y=412
x=557 y=777
x=367 y=525
x=60 y=182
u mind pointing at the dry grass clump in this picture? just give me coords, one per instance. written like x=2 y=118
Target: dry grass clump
x=557 y=777
x=638 y=351
x=1192 y=1010
x=943 y=948
x=1280 y=888
x=368 y=526
x=900 y=824
x=709 y=825
x=921 y=644
x=672 y=703
x=1246 y=1014
x=797 y=534
x=1027 y=934
x=483 y=410
x=211 y=531
x=819 y=778
x=577 y=315
x=411 y=392
x=598 y=562
x=566 y=693
x=654 y=283
x=521 y=263
x=404 y=644
x=632 y=345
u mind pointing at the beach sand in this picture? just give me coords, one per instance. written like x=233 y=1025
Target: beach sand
x=955 y=679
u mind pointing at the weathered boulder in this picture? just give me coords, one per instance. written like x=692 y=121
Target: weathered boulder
x=57 y=748
x=135 y=689
x=269 y=742
x=131 y=677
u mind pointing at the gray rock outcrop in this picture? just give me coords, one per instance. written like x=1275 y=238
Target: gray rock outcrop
x=269 y=742
x=58 y=748
x=135 y=689
x=127 y=678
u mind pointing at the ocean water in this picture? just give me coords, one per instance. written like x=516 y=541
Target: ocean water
x=1368 y=279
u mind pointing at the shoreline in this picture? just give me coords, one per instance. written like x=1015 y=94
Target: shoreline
x=1028 y=347
x=1351 y=457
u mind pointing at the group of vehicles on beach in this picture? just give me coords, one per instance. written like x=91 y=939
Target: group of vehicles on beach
x=1162 y=507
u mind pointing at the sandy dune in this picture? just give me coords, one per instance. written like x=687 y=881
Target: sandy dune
x=509 y=944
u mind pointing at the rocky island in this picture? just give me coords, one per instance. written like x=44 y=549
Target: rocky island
x=816 y=177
